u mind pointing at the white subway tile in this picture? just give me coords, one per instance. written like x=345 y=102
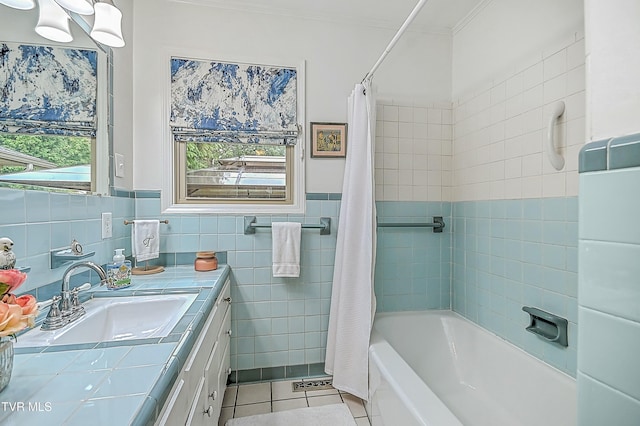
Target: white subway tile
x=498 y=93
x=576 y=54
x=555 y=89
x=434 y=116
x=532 y=187
x=390 y=113
x=513 y=188
x=532 y=165
x=514 y=85
x=405 y=193
x=514 y=106
x=532 y=120
x=420 y=131
x=434 y=131
x=405 y=114
x=513 y=168
x=576 y=80
x=390 y=129
x=405 y=146
x=420 y=115
x=532 y=98
x=405 y=130
x=553 y=185
x=532 y=76
x=555 y=65
x=390 y=177
x=447 y=116
x=573 y=181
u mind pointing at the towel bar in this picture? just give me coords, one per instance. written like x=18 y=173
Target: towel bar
x=437 y=225
x=250 y=225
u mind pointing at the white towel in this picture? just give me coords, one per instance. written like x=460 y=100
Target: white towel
x=145 y=239
x=286 y=249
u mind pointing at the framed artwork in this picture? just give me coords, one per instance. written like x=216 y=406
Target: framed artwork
x=328 y=140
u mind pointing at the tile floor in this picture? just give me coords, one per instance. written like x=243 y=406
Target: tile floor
x=268 y=397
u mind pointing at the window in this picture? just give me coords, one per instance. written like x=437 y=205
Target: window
x=235 y=131
x=48 y=116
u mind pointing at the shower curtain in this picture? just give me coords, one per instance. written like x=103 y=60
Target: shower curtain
x=352 y=296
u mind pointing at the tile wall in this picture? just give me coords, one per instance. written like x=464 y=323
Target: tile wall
x=500 y=129
x=514 y=253
x=39 y=221
x=608 y=377
x=515 y=217
x=413 y=152
x=413 y=184
x=276 y=321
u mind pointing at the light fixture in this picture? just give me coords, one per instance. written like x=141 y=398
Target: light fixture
x=83 y=7
x=19 y=4
x=53 y=22
x=107 y=24
x=54 y=16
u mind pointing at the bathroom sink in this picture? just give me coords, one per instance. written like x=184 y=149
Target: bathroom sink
x=114 y=319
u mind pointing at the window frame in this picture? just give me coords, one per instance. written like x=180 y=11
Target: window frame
x=174 y=161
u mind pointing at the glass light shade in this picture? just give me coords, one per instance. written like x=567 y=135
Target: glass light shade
x=83 y=7
x=19 y=4
x=107 y=24
x=53 y=22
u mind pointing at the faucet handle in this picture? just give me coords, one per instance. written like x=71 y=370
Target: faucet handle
x=54 y=317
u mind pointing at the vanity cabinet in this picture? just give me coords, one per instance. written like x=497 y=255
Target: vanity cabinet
x=196 y=397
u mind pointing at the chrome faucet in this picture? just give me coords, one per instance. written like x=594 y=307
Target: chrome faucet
x=66 y=308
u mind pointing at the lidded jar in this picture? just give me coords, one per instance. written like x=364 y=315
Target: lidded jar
x=206 y=261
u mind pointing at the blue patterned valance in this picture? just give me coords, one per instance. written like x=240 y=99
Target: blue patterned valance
x=48 y=90
x=225 y=102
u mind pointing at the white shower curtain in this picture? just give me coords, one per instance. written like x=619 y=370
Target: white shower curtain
x=352 y=296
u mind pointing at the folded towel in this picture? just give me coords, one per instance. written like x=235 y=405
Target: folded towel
x=145 y=239
x=286 y=249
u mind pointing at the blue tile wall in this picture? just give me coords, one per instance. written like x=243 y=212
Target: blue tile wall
x=38 y=221
x=276 y=321
x=513 y=253
x=413 y=265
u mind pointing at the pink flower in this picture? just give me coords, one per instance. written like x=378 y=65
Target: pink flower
x=11 y=319
x=10 y=280
x=28 y=304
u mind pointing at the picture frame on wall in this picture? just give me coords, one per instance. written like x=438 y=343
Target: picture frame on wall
x=328 y=140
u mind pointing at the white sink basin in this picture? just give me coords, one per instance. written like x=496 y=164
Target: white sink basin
x=116 y=318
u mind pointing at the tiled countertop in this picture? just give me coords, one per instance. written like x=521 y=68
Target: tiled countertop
x=115 y=383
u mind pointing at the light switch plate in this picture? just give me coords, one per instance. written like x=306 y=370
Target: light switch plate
x=119 y=165
x=107 y=225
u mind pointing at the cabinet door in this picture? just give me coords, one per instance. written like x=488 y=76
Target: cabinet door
x=197 y=415
x=175 y=409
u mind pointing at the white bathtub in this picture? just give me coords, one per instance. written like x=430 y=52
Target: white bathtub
x=436 y=368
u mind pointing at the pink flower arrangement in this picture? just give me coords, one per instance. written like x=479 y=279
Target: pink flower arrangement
x=16 y=313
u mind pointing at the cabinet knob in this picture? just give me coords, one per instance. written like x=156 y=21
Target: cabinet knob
x=229 y=332
x=213 y=395
x=227 y=299
x=208 y=411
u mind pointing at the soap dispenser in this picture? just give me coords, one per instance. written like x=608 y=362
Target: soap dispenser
x=119 y=271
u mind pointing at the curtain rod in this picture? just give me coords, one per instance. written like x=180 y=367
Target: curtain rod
x=395 y=39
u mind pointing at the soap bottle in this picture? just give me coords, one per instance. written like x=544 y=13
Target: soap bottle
x=119 y=271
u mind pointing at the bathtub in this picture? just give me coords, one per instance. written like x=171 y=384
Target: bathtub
x=436 y=368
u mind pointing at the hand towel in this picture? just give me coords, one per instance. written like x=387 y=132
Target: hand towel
x=286 y=249
x=145 y=239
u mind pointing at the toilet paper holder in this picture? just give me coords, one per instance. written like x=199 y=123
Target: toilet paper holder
x=548 y=326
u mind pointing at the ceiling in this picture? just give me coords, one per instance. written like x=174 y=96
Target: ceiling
x=436 y=15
